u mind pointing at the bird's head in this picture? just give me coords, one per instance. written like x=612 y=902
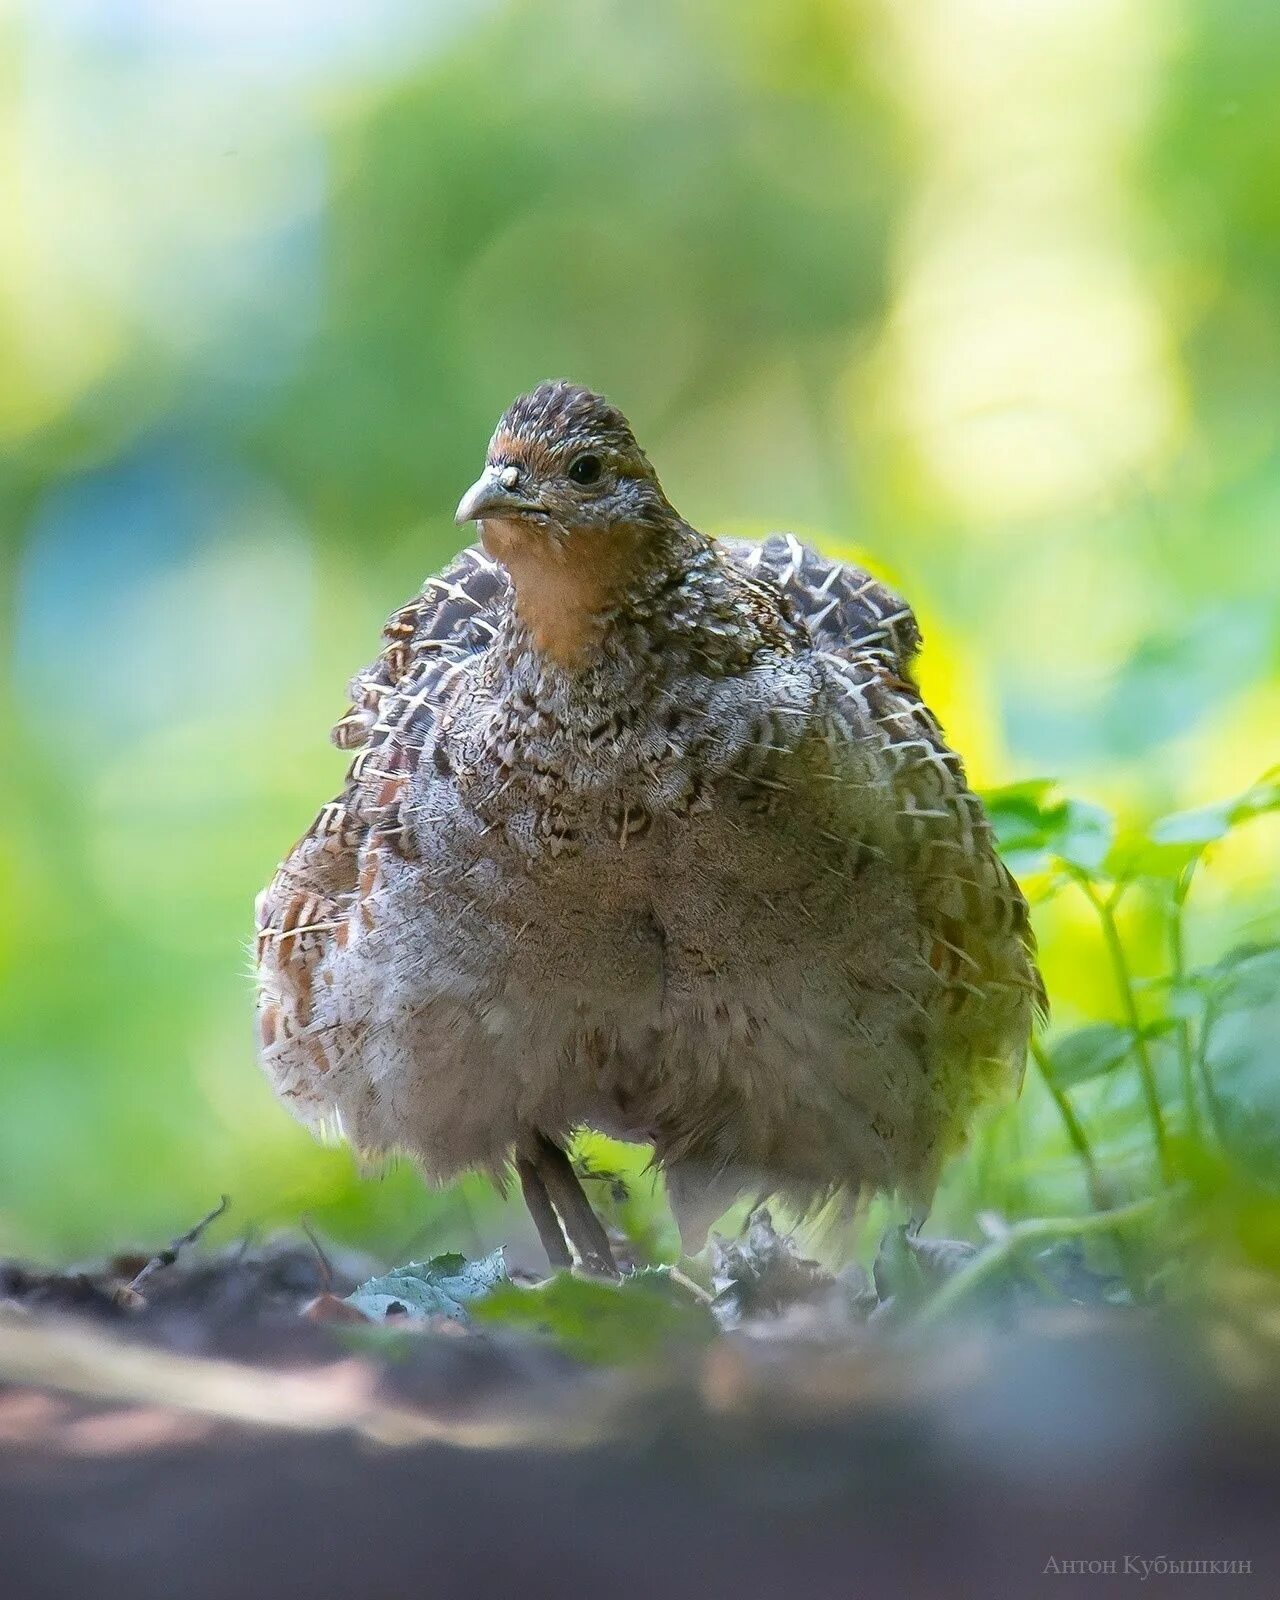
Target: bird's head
x=568 y=502
x=562 y=459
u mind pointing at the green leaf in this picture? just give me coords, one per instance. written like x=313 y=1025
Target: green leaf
x=1020 y=819
x=909 y=1268
x=1089 y=1052
x=599 y=1321
x=1138 y=855
x=1205 y=825
x=1247 y=976
x=1260 y=798
x=1036 y=826
x=441 y=1287
x=1179 y=998
x=1085 y=835
x=1196 y=828
x=1019 y=805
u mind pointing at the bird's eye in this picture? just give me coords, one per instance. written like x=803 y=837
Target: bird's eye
x=584 y=469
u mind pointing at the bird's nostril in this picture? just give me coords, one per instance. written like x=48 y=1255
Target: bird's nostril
x=509 y=477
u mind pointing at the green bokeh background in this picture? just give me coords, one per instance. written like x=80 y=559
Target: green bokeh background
x=987 y=291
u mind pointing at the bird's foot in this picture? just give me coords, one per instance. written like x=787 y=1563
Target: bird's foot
x=558 y=1206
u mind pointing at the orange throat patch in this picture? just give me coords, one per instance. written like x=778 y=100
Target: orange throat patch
x=565 y=584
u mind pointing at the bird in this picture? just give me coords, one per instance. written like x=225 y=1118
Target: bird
x=649 y=832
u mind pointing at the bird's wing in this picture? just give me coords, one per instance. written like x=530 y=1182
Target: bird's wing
x=453 y=616
x=324 y=895
x=842 y=605
x=972 y=913
x=975 y=930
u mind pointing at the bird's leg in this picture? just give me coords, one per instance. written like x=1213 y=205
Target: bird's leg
x=581 y=1223
x=543 y=1213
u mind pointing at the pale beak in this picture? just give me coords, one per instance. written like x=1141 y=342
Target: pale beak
x=488 y=496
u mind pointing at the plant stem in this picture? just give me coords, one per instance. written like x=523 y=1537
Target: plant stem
x=1093 y=1177
x=1206 y=1075
x=1178 y=964
x=1021 y=1235
x=1106 y=910
x=1075 y=1128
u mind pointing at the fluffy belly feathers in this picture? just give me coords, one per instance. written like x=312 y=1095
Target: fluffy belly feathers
x=660 y=992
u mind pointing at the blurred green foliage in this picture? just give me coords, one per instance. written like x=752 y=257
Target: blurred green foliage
x=988 y=293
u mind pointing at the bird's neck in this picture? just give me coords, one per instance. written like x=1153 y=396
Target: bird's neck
x=656 y=641
x=567 y=589
x=575 y=594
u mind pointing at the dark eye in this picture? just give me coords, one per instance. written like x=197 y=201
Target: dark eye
x=584 y=469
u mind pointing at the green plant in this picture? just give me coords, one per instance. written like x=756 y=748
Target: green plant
x=1212 y=1116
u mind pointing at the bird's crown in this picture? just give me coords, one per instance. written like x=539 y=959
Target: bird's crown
x=559 y=413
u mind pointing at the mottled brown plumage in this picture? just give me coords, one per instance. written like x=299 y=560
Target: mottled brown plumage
x=648 y=832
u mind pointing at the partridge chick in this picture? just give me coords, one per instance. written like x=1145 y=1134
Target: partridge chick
x=652 y=833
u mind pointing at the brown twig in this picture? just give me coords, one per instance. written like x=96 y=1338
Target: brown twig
x=326 y=1266
x=689 y=1286
x=166 y=1258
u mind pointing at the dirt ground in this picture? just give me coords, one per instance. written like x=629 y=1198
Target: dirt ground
x=213 y=1442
